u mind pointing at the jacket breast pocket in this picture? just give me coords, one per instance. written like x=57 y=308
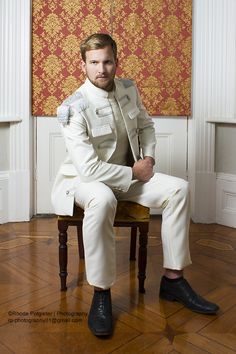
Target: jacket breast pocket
x=101 y=130
x=103 y=137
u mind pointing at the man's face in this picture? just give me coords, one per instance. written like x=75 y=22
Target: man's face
x=100 y=67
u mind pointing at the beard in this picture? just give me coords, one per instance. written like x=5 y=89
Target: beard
x=103 y=82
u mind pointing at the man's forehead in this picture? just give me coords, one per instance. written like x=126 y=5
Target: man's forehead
x=100 y=53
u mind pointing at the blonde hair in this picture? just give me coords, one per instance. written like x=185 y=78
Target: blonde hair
x=97 y=41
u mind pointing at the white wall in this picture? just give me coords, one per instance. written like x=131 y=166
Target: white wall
x=16 y=167
x=213 y=97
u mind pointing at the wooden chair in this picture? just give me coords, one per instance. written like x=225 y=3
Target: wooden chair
x=128 y=214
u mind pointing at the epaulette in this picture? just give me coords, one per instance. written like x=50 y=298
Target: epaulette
x=77 y=101
x=127 y=83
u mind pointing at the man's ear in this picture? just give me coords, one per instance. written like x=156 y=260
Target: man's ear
x=82 y=64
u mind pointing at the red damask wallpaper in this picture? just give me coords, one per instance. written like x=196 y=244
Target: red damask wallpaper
x=154 y=48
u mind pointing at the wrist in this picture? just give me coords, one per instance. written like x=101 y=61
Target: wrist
x=150 y=159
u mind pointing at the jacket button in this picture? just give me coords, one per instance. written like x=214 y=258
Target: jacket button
x=67 y=192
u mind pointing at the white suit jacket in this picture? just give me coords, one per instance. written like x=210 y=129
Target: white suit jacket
x=88 y=127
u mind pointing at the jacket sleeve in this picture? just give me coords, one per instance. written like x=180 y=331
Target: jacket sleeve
x=85 y=159
x=146 y=130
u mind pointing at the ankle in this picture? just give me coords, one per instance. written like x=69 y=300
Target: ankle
x=100 y=289
x=173 y=274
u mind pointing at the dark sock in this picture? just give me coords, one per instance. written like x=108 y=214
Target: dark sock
x=172 y=280
x=102 y=290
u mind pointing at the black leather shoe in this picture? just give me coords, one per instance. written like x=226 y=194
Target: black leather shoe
x=182 y=292
x=100 y=314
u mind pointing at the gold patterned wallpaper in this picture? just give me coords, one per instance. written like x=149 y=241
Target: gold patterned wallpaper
x=154 y=47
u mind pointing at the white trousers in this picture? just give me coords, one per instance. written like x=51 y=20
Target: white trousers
x=99 y=204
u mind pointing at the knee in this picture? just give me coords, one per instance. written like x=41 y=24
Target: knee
x=104 y=200
x=183 y=188
x=184 y=185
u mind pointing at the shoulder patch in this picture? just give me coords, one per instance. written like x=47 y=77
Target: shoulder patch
x=76 y=101
x=63 y=113
x=127 y=83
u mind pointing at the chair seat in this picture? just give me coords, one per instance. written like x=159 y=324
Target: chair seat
x=126 y=212
x=130 y=211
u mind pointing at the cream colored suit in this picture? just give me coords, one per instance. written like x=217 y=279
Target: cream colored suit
x=87 y=178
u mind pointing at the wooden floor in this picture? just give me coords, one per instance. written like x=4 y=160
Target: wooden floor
x=35 y=317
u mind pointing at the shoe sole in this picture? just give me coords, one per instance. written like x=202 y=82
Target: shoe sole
x=173 y=298
x=99 y=334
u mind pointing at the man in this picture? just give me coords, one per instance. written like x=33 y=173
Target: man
x=111 y=146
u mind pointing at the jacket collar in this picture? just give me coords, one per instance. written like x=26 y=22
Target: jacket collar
x=96 y=91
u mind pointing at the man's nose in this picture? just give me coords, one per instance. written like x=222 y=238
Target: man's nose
x=101 y=68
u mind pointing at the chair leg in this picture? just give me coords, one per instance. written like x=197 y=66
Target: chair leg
x=80 y=241
x=142 y=258
x=133 y=240
x=62 y=227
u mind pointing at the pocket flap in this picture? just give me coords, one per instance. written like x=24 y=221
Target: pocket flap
x=124 y=100
x=68 y=170
x=132 y=114
x=101 y=130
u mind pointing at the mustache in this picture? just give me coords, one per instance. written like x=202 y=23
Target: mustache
x=101 y=76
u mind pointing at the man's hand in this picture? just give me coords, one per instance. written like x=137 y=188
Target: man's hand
x=143 y=169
